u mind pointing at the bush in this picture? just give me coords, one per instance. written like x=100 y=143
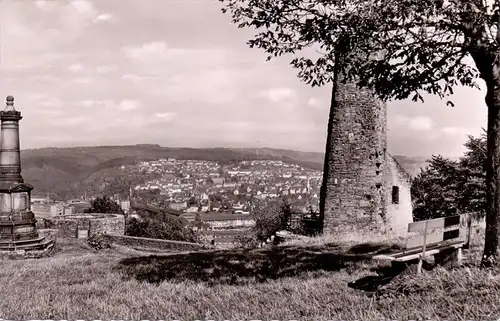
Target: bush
x=104 y=205
x=310 y=225
x=97 y=242
x=172 y=228
x=270 y=218
x=246 y=240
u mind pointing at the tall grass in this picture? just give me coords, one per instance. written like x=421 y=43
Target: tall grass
x=79 y=283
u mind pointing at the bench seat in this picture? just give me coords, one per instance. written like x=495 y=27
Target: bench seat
x=412 y=254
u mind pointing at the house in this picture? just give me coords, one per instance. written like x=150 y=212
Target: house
x=178 y=205
x=218 y=220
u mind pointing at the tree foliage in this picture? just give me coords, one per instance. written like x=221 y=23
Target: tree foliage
x=270 y=217
x=171 y=228
x=400 y=48
x=434 y=190
x=447 y=187
x=104 y=205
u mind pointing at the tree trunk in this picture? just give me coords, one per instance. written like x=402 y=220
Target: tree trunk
x=491 y=251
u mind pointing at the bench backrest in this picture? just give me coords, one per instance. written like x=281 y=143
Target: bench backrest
x=439 y=230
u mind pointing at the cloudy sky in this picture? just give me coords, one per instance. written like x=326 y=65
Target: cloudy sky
x=177 y=73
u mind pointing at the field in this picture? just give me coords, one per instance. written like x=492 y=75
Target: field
x=296 y=281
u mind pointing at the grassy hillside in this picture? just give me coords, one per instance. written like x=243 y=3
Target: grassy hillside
x=62 y=170
x=283 y=283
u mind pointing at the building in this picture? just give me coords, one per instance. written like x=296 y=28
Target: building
x=41 y=210
x=217 y=220
x=125 y=206
x=76 y=207
x=39 y=199
x=18 y=231
x=367 y=191
x=179 y=206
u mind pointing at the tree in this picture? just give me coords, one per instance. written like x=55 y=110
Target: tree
x=270 y=217
x=434 y=190
x=447 y=187
x=472 y=186
x=399 y=49
x=104 y=205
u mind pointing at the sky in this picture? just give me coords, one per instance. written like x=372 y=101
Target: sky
x=177 y=73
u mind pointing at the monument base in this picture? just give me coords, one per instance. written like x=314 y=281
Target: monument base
x=29 y=249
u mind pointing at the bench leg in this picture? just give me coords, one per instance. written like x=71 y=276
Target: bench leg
x=450 y=258
x=408 y=266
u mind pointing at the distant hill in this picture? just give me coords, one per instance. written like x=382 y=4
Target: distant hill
x=61 y=170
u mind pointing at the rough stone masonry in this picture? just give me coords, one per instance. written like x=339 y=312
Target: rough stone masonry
x=367 y=191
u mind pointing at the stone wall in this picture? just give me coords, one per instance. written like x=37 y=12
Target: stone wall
x=355 y=186
x=112 y=225
x=401 y=214
x=83 y=225
x=65 y=228
x=153 y=244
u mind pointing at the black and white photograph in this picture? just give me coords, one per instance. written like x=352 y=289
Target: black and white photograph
x=249 y=160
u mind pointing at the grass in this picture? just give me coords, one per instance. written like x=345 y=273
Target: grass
x=295 y=281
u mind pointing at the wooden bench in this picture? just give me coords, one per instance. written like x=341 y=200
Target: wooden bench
x=443 y=238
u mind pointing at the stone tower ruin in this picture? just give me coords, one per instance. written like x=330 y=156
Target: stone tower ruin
x=367 y=191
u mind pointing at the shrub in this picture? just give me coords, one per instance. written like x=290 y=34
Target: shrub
x=270 y=217
x=97 y=242
x=172 y=228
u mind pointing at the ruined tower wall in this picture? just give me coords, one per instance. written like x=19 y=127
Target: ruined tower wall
x=355 y=188
x=399 y=209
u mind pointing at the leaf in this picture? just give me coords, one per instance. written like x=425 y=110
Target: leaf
x=450 y=103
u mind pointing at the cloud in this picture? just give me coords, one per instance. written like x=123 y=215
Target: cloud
x=166 y=117
x=318 y=104
x=418 y=123
x=75 y=68
x=94 y=103
x=280 y=94
x=106 y=69
x=48 y=112
x=138 y=78
x=456 y=131
x=45 y=5
x=127 y=105
x=85 y=7
x=69 y=121
x=123 y=105
x=51 y=102
x=313 y=102
x=82 y=80
x=103 y=17
x=155 y=50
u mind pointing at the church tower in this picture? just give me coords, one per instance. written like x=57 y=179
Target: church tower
x=18 y=230
x=360 y=172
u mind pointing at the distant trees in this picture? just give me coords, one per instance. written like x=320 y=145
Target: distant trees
x=446 y=187
x=104 y=205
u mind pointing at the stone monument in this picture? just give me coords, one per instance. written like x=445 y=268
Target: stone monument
x=18 y=232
